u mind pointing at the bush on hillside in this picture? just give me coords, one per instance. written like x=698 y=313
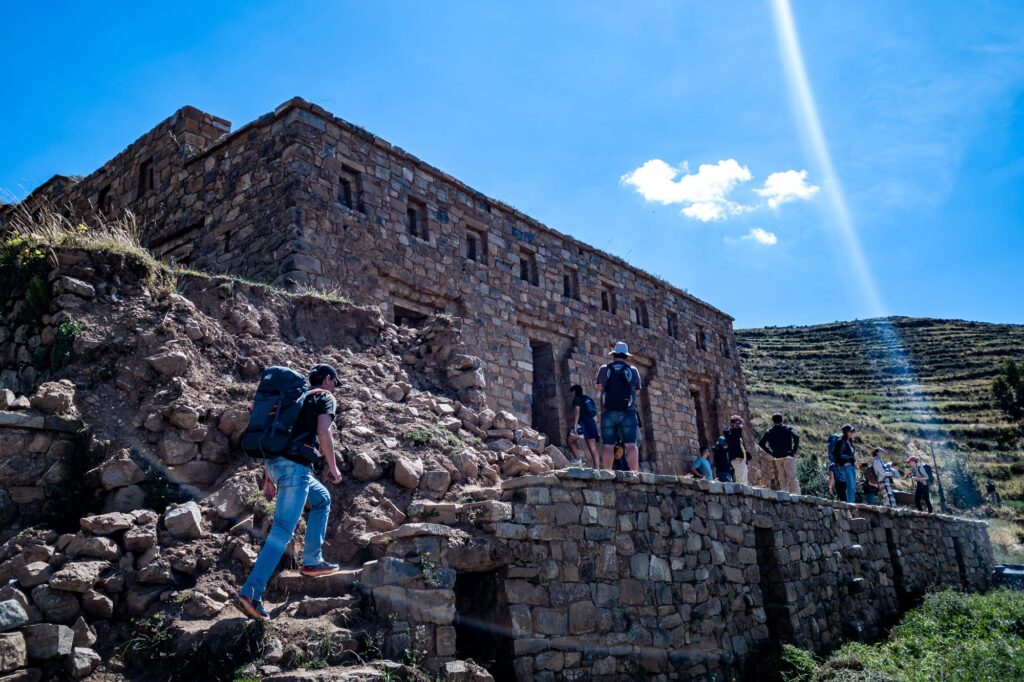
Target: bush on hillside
x=813 y=476
x=960 y=482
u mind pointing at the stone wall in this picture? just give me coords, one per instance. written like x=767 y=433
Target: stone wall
x=622 y=578
x=302 y=197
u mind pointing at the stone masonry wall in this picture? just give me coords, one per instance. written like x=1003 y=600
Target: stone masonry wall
x=622 y=578
x=304 y=198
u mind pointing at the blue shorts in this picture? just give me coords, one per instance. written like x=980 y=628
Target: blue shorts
x=587 y=428
x=619 y=427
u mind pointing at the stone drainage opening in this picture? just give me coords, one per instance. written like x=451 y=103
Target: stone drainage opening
x=406 y=317
x=483 y=625
x=773 y=586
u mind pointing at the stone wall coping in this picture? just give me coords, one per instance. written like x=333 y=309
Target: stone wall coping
x=556 y=478
x=40 y=422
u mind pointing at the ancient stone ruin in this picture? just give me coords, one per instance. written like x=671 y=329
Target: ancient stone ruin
x=129 y=516
x=303 y=198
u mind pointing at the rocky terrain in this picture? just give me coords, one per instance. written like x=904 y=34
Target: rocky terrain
x=900 y=380
x=130 y=515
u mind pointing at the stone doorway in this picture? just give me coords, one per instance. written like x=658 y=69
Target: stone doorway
x=702 y=431
x=544 y=412
x=483 y=625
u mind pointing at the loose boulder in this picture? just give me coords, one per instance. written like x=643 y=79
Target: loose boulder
x=47 y=640
x=408 y=472
x=184 y=521
x=12 y=615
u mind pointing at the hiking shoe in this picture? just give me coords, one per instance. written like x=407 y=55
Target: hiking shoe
x=252 y=607
x=320 y=569
x=575 y=462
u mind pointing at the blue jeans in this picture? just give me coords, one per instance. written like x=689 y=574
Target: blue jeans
x=618 y=426
x=295 y=483
x=848 y=473
x=871 y=498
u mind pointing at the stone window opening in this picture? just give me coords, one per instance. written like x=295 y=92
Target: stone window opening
x=345 y=192
x=416 y=219
x=639 y=314
x=608 y=303
x=726 y=350
x=702 y=339
x=147 y=176
x=672 y=323
x=571 y=283
x=406 y=317
x=476 y=246
x=528 y=267
x=349 y=190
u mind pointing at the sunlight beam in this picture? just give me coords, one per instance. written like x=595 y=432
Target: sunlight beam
x=807 y=111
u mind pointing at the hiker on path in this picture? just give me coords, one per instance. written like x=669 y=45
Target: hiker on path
x=619 y=382
x=723 y=466
x=919 y=474
x=701 y=467
x=885 y=473
x=845 y=456
x=583 y=426
x=993 y=496
x=290 y=477
x=738 y=455
x=782 y=443
x=869 y=481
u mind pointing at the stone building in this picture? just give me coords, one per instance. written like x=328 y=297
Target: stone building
x=302 y=198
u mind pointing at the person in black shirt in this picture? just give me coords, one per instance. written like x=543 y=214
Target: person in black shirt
x=290 y=477
x=584 y=409
x=723 y=466
x=782 y=443
x=738 y=455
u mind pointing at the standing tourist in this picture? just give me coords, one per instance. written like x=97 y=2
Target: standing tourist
x=870 y=482
x=583 y=426
x=884 y=473
x=723 y=467
x=782 y=443
x=738 y=455
x=619 y=382
x=919 y=474
x=846 y=458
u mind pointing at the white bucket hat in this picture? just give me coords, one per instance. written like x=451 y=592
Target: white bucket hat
x=620 y=349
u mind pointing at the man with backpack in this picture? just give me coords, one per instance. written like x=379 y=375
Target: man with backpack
x=619 y=382
x=921 y=474
x=583 y=425
x=782 y=443
x=290 y=428
x=737 y=452
x=723 y=466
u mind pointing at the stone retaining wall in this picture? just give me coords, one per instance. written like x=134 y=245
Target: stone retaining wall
x=628 y=577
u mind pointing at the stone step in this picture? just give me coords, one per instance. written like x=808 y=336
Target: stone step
x=294 y=583
x=314 y=607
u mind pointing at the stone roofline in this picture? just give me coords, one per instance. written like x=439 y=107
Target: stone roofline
x=717 y=487
x=300 y=103
x=294 y=103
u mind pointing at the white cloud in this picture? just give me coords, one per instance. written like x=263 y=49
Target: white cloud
x=761 y=236
x=704 y=193
x=786 y=186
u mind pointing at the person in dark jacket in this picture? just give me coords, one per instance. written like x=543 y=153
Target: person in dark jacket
x=846 y=458
x=782 y=443
x=723 y=467
x=918 y=474
x=738 y=455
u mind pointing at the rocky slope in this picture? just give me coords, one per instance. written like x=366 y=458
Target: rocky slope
x=899 y=379
x=159 y=368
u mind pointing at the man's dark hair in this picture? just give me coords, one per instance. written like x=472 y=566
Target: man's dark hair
x=704 y=451
x=321 y=372
x=619 y=356
x=777 y=418
x=577 y=390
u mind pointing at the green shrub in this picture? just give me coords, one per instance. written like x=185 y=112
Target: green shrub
x=960 y=482
x=813 y=476
x=62 y=351
x=37 y=300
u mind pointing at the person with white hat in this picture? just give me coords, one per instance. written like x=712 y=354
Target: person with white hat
x=619 y=382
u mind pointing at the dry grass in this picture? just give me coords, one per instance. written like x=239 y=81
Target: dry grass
x=53 y=228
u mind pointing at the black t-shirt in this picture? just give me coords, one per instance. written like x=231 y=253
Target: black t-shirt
x=304 y=431
x=581 y=401
x=734 y=440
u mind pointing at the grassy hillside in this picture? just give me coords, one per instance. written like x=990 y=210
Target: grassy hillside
x=936 y=389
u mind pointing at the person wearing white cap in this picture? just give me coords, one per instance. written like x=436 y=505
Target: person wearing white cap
x=619 y=382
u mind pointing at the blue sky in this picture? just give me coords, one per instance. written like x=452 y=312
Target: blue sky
x=552 y=107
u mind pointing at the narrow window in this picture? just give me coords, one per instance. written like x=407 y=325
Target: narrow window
x=726 y=351
x=608 y=299
x=103 y=203
x=639 y=314
x=528 y=267
x=345 y=192
x=672 y=321
x=571 y=284
x=702 y=340
x=476 y=246
x=147 y=176
x=416 y=218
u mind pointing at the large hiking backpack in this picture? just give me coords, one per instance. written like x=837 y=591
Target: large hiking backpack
x=275 y=409
x=832 y=440
x=928 y=472
x=871 y=479
x=618 y=389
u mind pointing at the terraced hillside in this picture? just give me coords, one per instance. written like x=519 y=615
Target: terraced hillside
x=899 y=380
